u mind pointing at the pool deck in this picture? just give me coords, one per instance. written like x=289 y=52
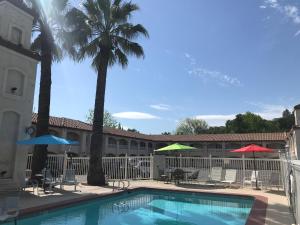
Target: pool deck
x=277 y=211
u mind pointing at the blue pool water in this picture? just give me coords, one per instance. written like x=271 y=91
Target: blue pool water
x=149 y=207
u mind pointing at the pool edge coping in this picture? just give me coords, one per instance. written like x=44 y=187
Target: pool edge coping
x=257 y=215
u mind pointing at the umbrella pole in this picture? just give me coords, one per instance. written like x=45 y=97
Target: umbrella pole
x=254 y=164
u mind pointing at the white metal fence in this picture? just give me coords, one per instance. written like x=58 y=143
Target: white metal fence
x=268 y=168
x=291 y=180
x=115 y=168
x=141 y=167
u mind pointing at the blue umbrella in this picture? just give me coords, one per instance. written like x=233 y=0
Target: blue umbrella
x=47 y=140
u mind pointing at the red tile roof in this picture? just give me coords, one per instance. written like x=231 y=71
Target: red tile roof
x=248 y=137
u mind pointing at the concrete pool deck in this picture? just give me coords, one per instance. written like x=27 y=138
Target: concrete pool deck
x=277 y=212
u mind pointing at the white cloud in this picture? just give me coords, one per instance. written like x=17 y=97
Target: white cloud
x=135 y=116
x=221 y=78
x=211 y=75
x=266 y=111
x=297 y=33
x=161 y=107
x=216 y=120
x=290 y=11
x=269 y=111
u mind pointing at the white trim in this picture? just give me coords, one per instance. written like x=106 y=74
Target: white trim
x=16 y=8
x=11 y=96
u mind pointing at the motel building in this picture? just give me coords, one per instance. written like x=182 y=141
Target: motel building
x=18 y=66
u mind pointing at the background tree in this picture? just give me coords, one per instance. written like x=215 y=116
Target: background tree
x=103 y=32
x=250 y=123
x=133 y=130
x=191 y=126
x=45 y=26
x=108 y=119
x=166 y=133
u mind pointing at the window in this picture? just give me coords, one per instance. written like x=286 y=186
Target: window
x=16 y=36
x=14 y=83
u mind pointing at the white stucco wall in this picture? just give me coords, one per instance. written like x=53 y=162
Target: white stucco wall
x=10 y=103
x=12 y=16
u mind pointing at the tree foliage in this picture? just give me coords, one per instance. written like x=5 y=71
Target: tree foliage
x=191 y=126
x=108 y=119
x=242 y=123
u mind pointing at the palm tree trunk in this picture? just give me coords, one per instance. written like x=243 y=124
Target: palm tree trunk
x=95 y=175
x=42 y=127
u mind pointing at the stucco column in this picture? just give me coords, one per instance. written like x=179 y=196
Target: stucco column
x=82 y=143
x=223 y=149
x=128 y=152
x=118 y=147
x=63 y=135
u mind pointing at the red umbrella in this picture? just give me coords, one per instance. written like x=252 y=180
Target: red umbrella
x=253 y=148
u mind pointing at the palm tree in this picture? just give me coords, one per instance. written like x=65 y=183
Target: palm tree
x=102 y=31
x=48 y=16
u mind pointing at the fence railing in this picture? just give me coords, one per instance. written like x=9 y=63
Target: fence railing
x=141 y=167
x=115 y=168
x=268 y=168
x=291 y=180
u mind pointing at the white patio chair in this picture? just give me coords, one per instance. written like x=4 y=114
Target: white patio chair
x=69 y=179
x=203 y=175
x=252 y=180
x=215 y=175
x=230 y=177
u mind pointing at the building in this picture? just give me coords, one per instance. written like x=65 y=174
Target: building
x=120 y=142
x=293 y=137
x=17 y=82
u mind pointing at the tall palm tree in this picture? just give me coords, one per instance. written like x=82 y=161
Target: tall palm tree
x=48 y=16
x=102 y=31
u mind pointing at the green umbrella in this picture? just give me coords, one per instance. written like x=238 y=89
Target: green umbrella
x=174 y=147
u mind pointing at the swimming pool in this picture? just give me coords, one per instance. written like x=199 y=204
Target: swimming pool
x=149 y=207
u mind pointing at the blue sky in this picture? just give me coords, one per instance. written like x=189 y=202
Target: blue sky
x=208 y=59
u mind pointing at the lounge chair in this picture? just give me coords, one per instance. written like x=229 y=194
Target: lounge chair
x=252 y=180
x=215 y=175
x=69 y=179
x=9 y=208
x=203 y=175
x=230 y=177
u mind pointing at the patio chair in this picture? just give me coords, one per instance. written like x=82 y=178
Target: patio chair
x=178 y=175
x=193 y=176
x=230 y=177
x=203 y=175
x=252 y=179
x=215 y=175
x=69 y=179
x=9 y=208
x=48 y=180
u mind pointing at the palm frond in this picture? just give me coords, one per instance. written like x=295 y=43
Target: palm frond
x=129 y=47
x=122 y=12
x=121 y=57
x=130 y=31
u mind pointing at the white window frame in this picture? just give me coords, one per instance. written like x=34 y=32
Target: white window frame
x=11 y=26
